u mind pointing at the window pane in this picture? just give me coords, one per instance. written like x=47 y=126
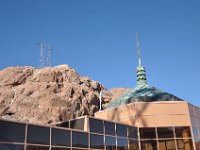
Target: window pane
x=31 y=147
x=79 y=149
x=96 y=141
x=149 y=145
x=109 y=128
x=182 y=132
x=79 y=139
x=60 y=137
x=58 y=148
x=122 y=144
x=133 y=144
x=38 y=134
x=132 y=132
x=11 y=147
x=110 y=143
x=96 y=126
x=167 y=145
x=77 y=124
x=195 y=134
x=165 y=132
x=147 y=133
x=121 y=130
x=63 y=124
x=184 y=144
x=12 y=132
x=197 y=145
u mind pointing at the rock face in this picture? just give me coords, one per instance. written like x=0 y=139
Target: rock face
x=47 y=95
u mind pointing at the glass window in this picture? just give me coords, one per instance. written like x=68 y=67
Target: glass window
x=38 y=134
x=133 y=145
x=121 y=130
x=149 y=145
x=59 y=148
x=165 y=132
x=197 y=145
x=110 y=143
x=182 y=132
x=12 y=132
x=122 y=144
x=183 y=144
x=79 y=149
x=60 y=137
x=77 y=124
x=96 y=141
x=63 y=124
x=167 y=145
x=96 y=126
x=11 y=147
x=34 y=147
x=109 y=128
x=132 y=132
x=79 y=139
x=147 y=133
x=195 y=134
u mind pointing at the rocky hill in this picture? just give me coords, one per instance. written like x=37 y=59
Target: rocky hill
x=48 y=95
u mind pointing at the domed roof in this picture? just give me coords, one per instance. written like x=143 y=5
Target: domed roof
x=142 y=93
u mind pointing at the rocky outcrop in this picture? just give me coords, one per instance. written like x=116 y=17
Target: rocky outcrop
x=46 y=95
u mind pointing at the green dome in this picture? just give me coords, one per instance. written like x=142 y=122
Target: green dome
x=142 y=93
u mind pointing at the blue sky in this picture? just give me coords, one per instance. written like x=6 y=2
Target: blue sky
x=97 y=39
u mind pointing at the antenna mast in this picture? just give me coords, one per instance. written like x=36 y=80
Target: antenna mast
x=45 y=55
x=138 y=47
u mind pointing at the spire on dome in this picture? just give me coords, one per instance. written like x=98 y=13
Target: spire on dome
x=138 y=47
x=140 y=70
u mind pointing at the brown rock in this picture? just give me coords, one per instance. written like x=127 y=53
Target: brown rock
x=48 y=95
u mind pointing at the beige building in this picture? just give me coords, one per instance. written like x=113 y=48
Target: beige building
x=174 y=124
x=164 y=121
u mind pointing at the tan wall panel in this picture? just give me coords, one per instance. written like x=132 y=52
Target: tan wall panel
x=146 y=121
x=130 y=121
x=114 y=115
x=128 y=110
x=172 y=120
x=157 y=121
x=145 y=108
x=150 y=114
x=101 y=115
x=171 y=108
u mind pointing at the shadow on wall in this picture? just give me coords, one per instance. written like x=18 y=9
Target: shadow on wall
x=130 y=112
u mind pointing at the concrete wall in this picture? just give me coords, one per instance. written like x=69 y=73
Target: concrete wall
x=150 y=114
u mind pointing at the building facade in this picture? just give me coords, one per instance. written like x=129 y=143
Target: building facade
x=144 y=129
x=144 y=118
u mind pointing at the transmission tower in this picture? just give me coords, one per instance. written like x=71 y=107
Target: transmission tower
x=45 y=55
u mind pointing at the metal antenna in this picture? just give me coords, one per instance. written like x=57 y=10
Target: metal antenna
x=138 y=47
x=45 y=55
x=49 y=49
